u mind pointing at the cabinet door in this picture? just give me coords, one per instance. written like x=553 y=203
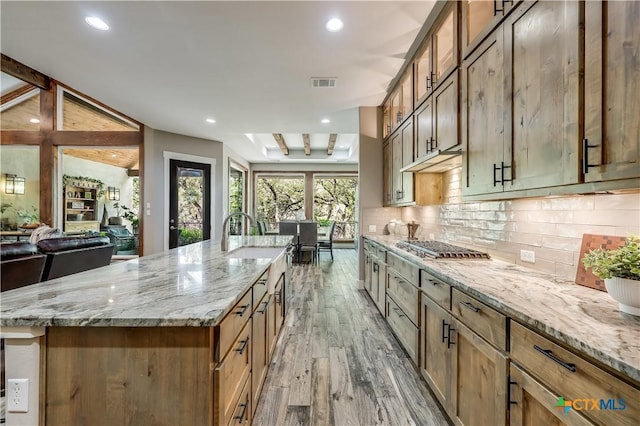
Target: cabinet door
x=612 y=90
x=424 y=129
x=479 y=374
x=531 y=404
x=479 y=18
x=382 y=289
x=407 y=143
x=278 y=302
x=484 y=110
x=423 y=83
x=406 y=106
x=260 y=350
x=375 y=271
x=542 y=41
x=396 y=114
x=445 y=114
x=387 y=171
x=445 y=44
x=367 y=273
x=396 y=150
x=435 y=359
x=386 y=118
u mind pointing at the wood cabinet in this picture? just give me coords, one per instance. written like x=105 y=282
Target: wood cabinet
x=81 y=206
x=375 y=275
x=611 y=145
x=404 y=329
x=479 y=18
x=386 y=119
x=537 y=120
x=394 y=109
x=437 y=123
x=399 y=185
x=573 y=378
x=387 y=173
x=261 y=348
x=452 y=355
x=438 y=56
x=530 y=403
x=406 y=91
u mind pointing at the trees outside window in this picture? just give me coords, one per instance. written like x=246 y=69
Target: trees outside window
x=335 y=199
x=279 y=198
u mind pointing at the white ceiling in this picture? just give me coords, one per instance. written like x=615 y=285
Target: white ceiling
x=171 y=65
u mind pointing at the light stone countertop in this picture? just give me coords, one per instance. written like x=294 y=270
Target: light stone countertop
x=584 y=319
x=193 y=285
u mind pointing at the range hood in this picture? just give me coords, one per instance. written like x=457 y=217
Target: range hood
x=435 y=162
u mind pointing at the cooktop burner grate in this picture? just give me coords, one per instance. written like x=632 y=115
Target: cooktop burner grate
x=439 y=250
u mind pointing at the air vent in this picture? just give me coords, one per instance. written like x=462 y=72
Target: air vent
x=323 y=82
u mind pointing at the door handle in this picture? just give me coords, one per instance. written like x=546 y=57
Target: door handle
x=172 y=228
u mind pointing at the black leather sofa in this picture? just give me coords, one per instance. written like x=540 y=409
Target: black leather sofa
x=69 y=255
x=20 y=265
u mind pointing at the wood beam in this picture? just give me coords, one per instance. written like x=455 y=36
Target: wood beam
x=24 y=73
x=91 y=138
x=307 y=143
x=332 y=143
x=281 y=143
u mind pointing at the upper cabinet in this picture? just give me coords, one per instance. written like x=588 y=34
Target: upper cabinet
x=522 y=102
x=479 y=18
x=386 y=119
x=611 y=144
x=438 y=56
x=406 y=106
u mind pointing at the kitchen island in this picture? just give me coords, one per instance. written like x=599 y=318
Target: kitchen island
x=145 y=341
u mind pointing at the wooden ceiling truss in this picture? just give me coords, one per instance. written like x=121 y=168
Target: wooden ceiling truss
x=281 y=143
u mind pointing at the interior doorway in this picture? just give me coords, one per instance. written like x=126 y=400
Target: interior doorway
x=189 y=202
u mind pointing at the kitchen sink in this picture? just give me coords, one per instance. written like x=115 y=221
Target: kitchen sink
x=255 y=253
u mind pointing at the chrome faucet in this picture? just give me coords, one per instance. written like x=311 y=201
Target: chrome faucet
x=224 y=243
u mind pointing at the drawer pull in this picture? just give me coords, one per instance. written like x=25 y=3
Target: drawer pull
x=399 y=312
x=433 y=282
x=262 y=282
x=449 y=341
x=549 y=354
x=470 y=307
x=511 y=402
x=264 y=309
x=444 y=334
x=278 y=297
x=240 y=417
x=243 y=346
x=242 y=310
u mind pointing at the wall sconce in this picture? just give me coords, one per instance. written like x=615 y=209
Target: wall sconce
x=14 y=184
x=113 y=193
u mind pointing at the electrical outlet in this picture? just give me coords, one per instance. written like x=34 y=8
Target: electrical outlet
x=18 y=395
x=372 y=228
x=528 y=256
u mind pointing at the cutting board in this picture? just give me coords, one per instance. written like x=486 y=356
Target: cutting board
x=591 y=241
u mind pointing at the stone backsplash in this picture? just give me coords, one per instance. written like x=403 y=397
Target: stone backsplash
x=551 y=227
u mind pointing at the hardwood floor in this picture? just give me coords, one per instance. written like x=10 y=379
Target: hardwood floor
x=337 y=362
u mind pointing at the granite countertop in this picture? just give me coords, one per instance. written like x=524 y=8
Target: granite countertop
x=193 y=285
x=584 y=319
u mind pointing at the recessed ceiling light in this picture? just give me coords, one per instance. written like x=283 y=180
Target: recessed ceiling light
x=96 y=23
x=34 y=121
x=334 y=25
x=325 y=121
x=210 y=120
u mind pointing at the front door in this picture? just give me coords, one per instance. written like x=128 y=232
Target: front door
x=189 y=202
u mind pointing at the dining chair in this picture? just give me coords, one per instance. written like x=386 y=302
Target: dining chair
x=308 y=240
x=327 y=243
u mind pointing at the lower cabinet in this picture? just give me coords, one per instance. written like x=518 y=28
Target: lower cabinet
x=531 y=403
x=375 y=275
x=261 y=346
x=467 y=374
x=406 y=332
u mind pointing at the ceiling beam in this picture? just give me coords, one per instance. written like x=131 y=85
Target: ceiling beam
x=332 y=142
x=307 y=143
x=24 y=73
x=281 y=143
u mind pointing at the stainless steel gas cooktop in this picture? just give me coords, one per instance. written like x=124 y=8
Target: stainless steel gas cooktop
x=440 y=250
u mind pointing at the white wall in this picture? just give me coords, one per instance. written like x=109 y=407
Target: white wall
x=156 y=142
x=21 y=161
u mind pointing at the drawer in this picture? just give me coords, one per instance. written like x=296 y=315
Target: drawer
x=407 y=270
x=437 y=290
x=242 y=413
x=260 y=289
x=228 y=329
x=231 y=375
x=405 y=294
x=406 y=333
x=483 y=320
x=575 y=379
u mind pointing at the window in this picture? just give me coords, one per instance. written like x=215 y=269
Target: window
x=237 y=194
x=20 y=109
x=279 y=198
x=335 y=200
x=81 y=114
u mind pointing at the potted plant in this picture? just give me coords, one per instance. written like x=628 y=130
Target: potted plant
x=128 y=214
x=620 y=270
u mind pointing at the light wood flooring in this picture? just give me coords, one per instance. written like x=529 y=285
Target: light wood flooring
x=337 y=362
